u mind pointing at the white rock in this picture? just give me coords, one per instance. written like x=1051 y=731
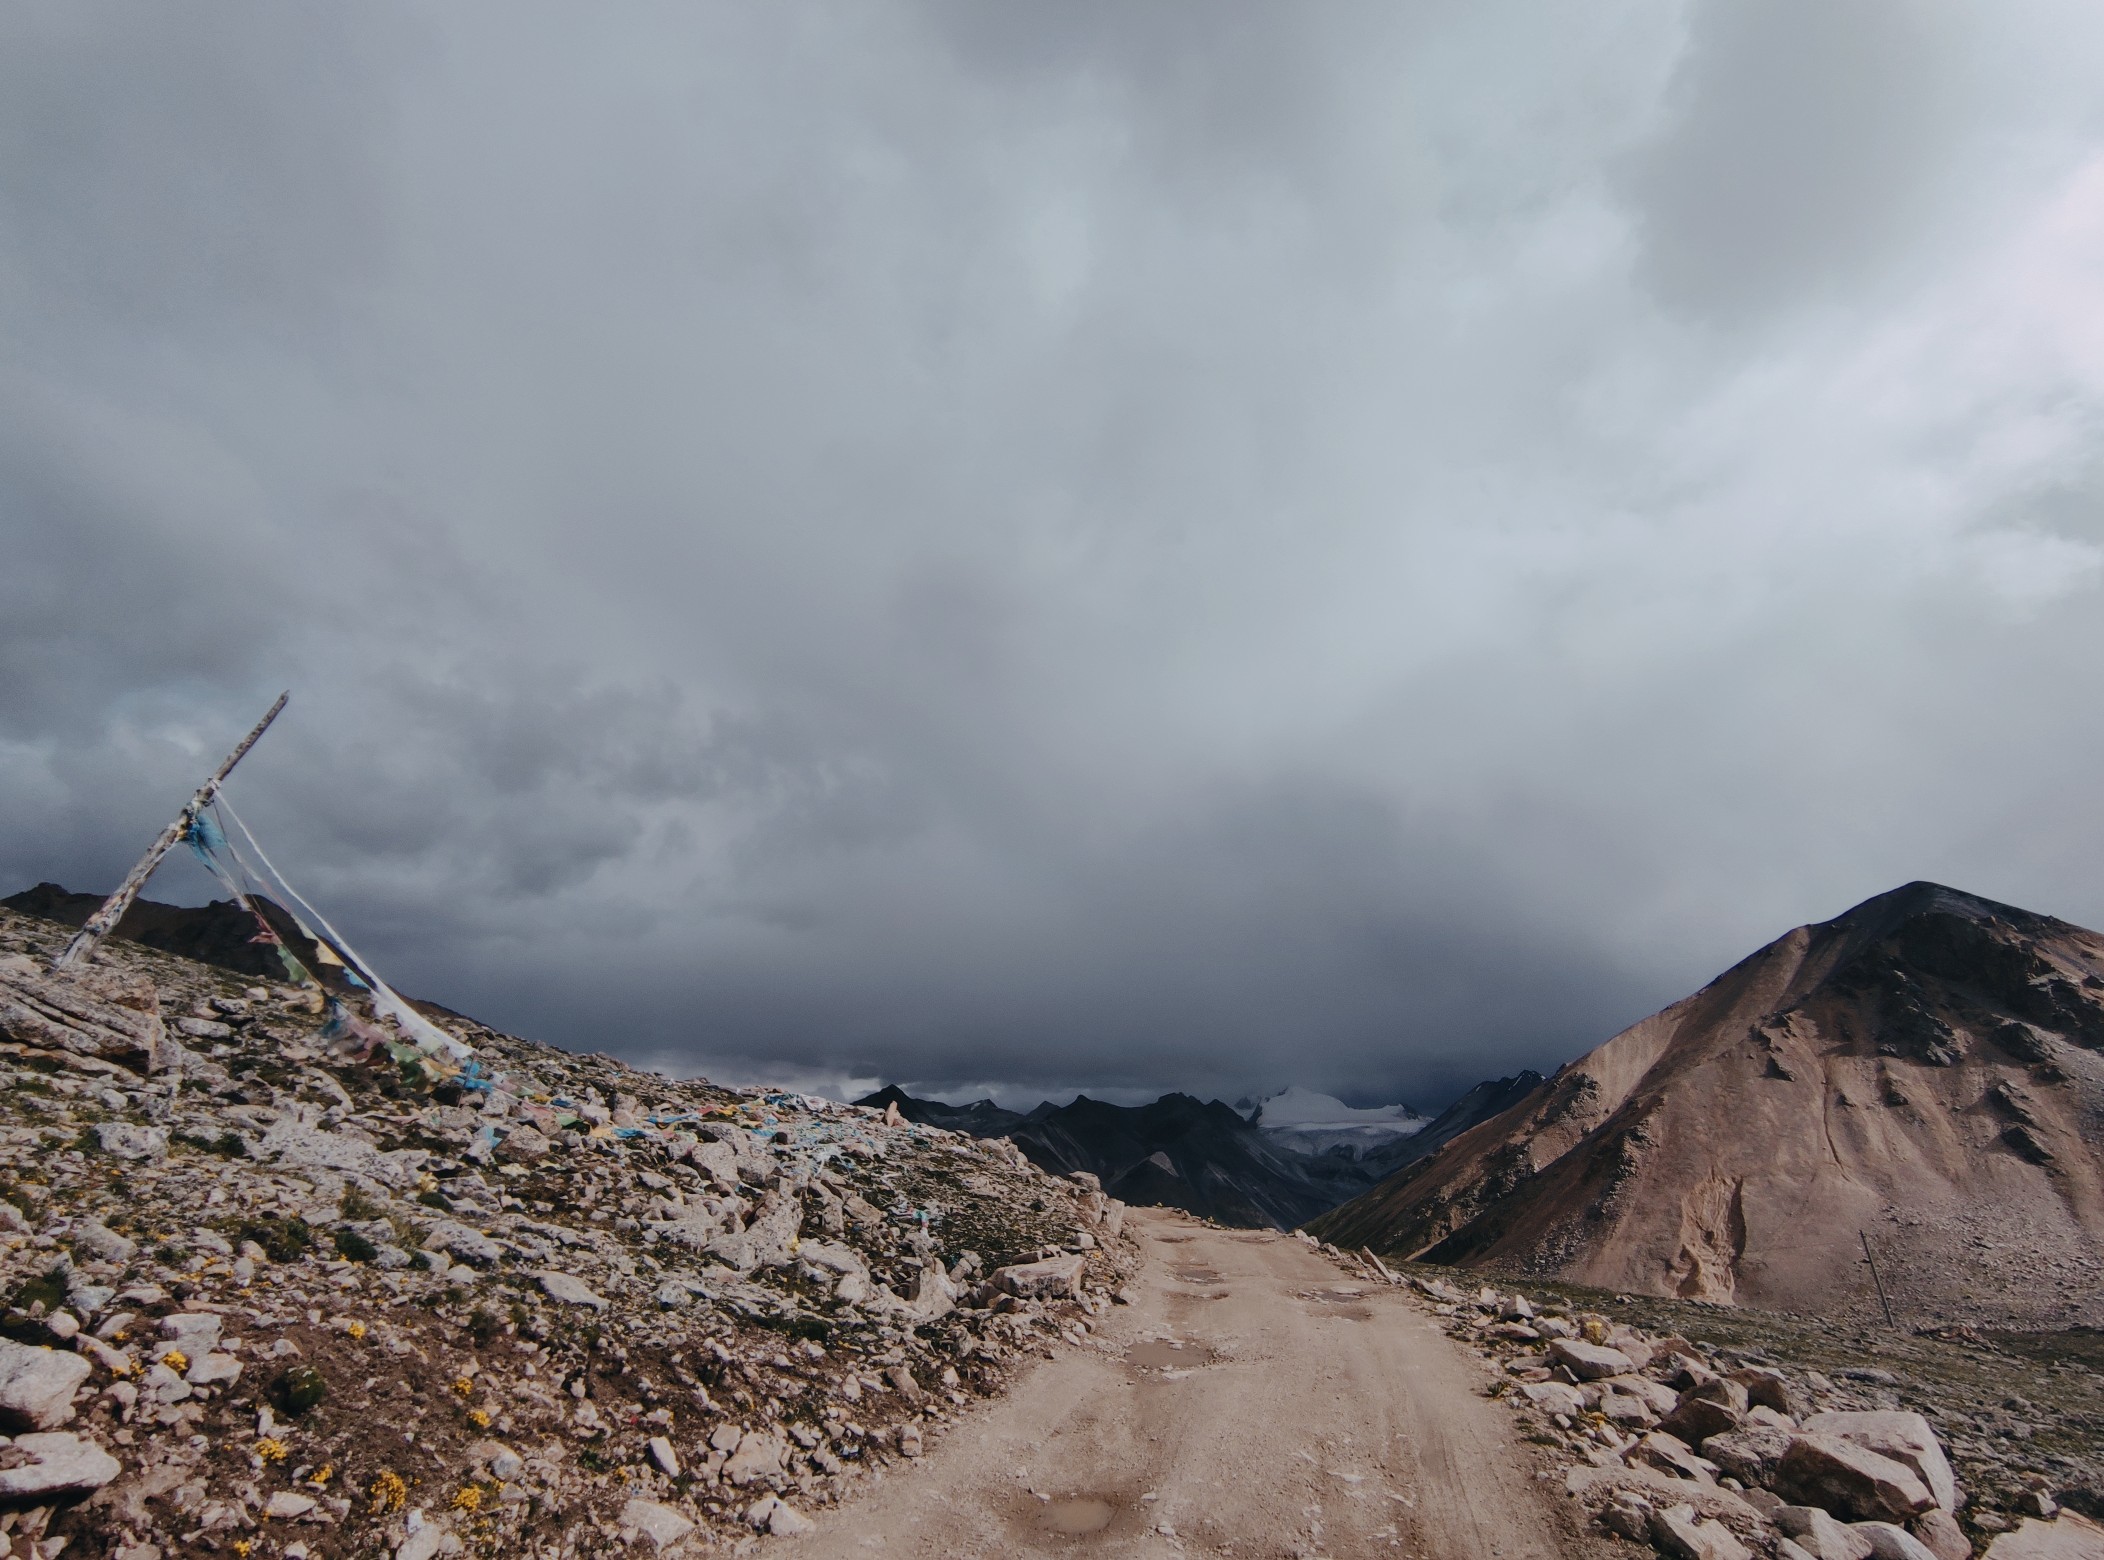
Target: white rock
x=422 y=1544
x=60 y=1464
x=570 y=1290
x=37 y=1385
x=285 y=1506
x=1055 y=1276
x=463 y=1241
x=759 y=1455
x=122 y=1140
x=62 y=1325
x=503 y=1463
x=194 y=1332
x=92 y=1238
x=785 y=1520
x=213 y=1370
x=659 y=1523
x=664 y=1456
x=1590 y=1361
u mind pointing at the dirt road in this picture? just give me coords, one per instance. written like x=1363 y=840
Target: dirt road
x=1254 y=1402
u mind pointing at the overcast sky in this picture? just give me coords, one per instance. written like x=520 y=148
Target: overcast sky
x=1120 y=545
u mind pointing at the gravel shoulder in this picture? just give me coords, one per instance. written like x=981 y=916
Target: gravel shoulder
x=1251 y=1401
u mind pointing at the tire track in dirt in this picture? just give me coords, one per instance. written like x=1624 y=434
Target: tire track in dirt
x=1253 y=1402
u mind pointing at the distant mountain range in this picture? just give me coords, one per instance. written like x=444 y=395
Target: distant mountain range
x=1923 y=1075
x=1277 y=1170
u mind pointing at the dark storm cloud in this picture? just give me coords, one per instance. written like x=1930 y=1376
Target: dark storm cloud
x=1097 y=546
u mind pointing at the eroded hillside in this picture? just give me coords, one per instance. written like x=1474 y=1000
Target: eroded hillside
x=1922 y=1073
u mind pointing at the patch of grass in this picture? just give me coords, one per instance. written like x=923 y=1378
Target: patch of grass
x=227 y=1145
x=349 y=1243
x=282 y=1239
x=360 y=1206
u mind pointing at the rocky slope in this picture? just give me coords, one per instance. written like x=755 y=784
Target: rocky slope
x=273 y=1284
x=1921 y=1073
x=1814 y=1442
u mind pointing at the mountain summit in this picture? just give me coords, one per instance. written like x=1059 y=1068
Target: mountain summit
x=1920 y=1075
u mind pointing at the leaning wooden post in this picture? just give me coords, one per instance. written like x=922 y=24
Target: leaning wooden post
x=104 y=921
x=1873 y=1261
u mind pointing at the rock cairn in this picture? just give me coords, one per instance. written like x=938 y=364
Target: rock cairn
x=271 y=1287
x=1704 y=1454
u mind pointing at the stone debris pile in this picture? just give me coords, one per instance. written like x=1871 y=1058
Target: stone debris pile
x=270 y=1285
x=1711 y=1454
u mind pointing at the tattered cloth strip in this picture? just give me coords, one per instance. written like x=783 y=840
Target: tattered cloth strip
x=427 y=1036
x=208 y=842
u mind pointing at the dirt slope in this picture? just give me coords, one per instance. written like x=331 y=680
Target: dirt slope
x=1923 y=1070
x=1267 y=1405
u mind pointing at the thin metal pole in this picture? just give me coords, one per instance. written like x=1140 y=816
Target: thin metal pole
x=1882 y=1299
x=104 y=921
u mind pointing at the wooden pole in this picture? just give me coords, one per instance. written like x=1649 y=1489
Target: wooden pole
x=1873 y=1261
x=104 y=921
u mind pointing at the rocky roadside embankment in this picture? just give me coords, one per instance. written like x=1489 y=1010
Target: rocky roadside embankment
x=1714 y=1453
x=271 y=1284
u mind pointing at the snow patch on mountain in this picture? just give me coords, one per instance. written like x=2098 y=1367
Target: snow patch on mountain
x=1315 y=1123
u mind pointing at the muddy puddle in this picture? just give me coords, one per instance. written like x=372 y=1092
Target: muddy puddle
x=1346 y=1301
x=1167 y=1354
x=1075 y=1517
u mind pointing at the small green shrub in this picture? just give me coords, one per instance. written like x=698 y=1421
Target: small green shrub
x=297 y=1389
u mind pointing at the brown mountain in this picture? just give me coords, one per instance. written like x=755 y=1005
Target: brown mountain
x=220 y=933
x=1923 y=1071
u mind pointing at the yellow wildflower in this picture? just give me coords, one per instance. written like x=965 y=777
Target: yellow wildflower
x=468 y=1499
x=322 y=1475
x=464 y=1385
x=388 y=1492
x=479 y=1418
x=176 y=1360
x=271 y=1449
x=356 y=1330
x=242 y=1547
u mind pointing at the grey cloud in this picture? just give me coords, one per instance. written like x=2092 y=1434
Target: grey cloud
x=1056 y=547
x=1799 y=144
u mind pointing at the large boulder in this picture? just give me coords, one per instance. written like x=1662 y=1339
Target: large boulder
x=1055 y=1276
x=662 y=1525
x=37 y=1385
x=463 y=1241
x=89 y=1011
x=759 y=1455
x=50 y=1464
x=1819 y=1534
x=770 y=1240
x=2066 y=1537
x=1940 y=1534
x=1892 y=1543
x=299 y=1143
x=1698 y=1417
x=1903 y=1437
x=1849 y=1480
x=1590 y=1361
x=1751 y=1454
